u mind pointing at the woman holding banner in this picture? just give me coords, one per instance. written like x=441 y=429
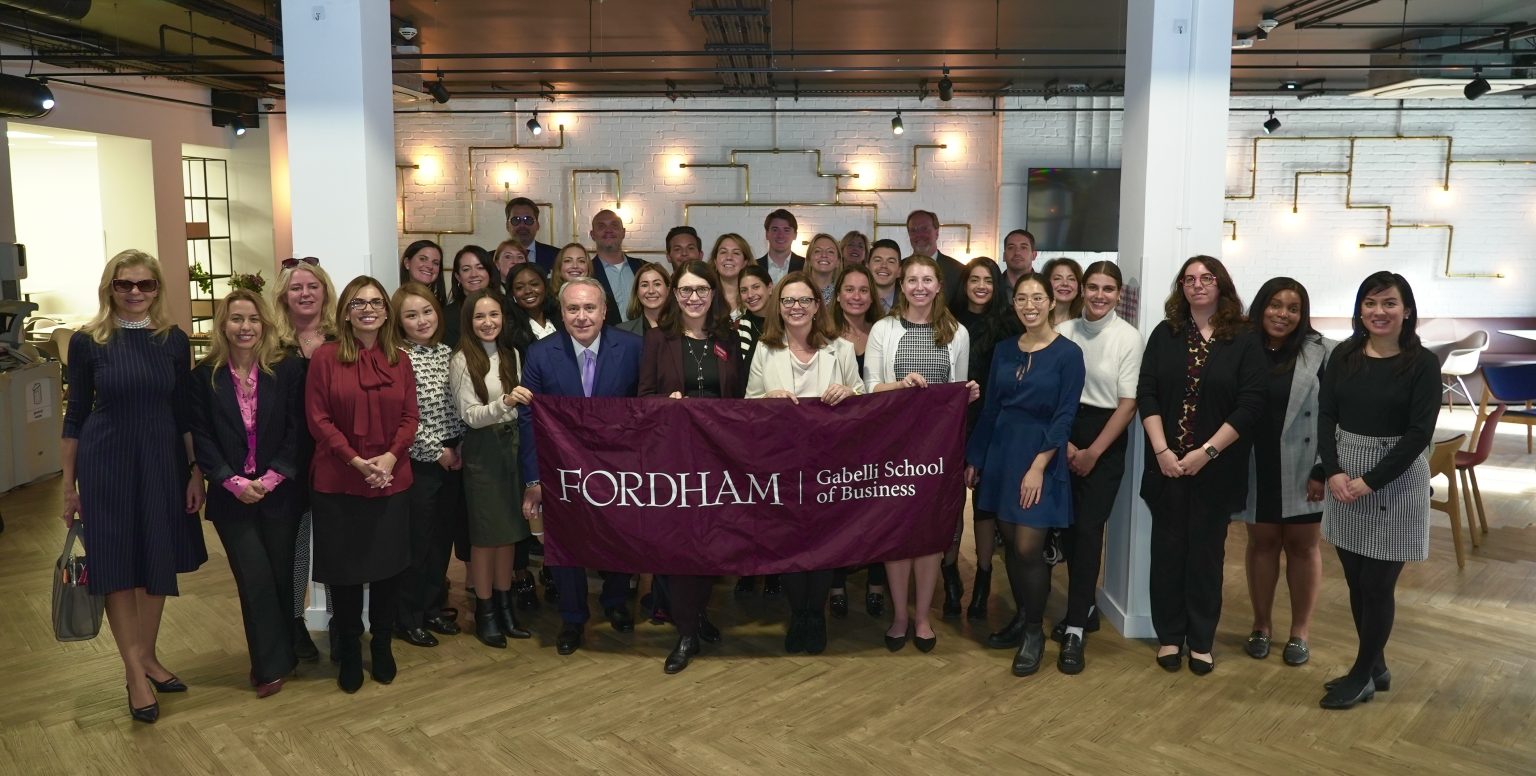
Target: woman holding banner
x=920 y=343
x=694 y=353
x=799 y=356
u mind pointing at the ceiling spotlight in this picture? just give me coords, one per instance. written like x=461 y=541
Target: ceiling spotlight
x=24 y=97
x=533 y=124
x=946 y=87
x=1478 y=86
x=438 y=89
x=238 y=125
x=896 y=127
x=1291 y=86
x=1261 y=33
x=1272 y=124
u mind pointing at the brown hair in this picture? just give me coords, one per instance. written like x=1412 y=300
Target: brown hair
x=635 y=308
x=741 y=242
x=476 y=362
x=268 y=351
x=398 y=300
x=104 y=325
x=1228 y=320
x=943 y=321
x=346 y=340
x=1074 y=307
x=876 y=309
x=717 y=321
x=774 y=332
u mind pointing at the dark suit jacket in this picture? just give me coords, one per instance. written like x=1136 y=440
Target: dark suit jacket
x=218 y=437
x=1232 y=390
x=544 y=255
x=551 y=370
x=661 y=368
x=615 y=315
x=796 y=262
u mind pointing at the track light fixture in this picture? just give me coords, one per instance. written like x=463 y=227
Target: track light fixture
x=438 y=89
x=896 y=127
x=1478 y=86
x=533 y=124
x=238 y=125
x=24 y=97
x=1271 y=125
x=946 y=87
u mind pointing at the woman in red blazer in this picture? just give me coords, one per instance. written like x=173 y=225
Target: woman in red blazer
x=693 y=353
x=361 y=405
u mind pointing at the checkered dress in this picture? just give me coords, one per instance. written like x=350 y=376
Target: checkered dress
x=1389 y=524
x=916 y=352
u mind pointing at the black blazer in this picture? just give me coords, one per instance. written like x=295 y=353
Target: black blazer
x=218 y=437
x=615 y=316
x=796 y=262
x=661 y=365
x=1232 y=390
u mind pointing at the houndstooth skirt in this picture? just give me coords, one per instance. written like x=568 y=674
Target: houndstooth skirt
x=1389 y=524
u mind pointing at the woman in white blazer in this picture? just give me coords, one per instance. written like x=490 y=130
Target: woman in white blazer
x=919 y=344
x=799 y=356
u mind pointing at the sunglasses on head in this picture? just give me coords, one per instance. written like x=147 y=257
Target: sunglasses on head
x=145 y=286
x=290 y=263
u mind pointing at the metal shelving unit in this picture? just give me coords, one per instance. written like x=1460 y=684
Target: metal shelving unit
x=205 y=197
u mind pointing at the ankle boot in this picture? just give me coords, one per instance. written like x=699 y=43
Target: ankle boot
x=486 y=628
x=1010 y=635
x=1031 y=650
x=383 y=668
x=506 y=618
x=980 y=591
x=954 y=589
x=349 y=655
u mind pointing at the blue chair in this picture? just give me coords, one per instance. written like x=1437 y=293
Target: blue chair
x=1512 y=384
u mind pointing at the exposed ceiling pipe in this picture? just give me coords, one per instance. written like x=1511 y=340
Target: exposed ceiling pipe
x=260 y=24
x=1522 y=33
x=64 y=10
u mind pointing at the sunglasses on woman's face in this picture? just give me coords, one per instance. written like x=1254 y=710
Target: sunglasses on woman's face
x=145 y=286
x=291 y=263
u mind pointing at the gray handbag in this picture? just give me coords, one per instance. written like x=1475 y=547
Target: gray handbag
x=76 y=613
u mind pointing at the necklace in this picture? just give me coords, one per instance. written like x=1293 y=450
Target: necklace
x=698 y=356
x=140 y=324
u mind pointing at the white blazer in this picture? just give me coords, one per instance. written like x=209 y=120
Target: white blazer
x=773 y=370
x=880 y=353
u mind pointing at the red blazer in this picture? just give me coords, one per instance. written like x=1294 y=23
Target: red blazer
x=661 y=365
x=365 y=408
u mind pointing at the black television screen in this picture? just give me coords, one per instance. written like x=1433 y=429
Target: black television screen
x=1074 y=209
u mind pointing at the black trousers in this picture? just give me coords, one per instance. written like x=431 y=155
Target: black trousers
x=383 y=604
x=571 y=581
x=690 y=598
x=436 y=497
x=807 y=590
x=876 y=575
x=1189 y=544
x=1093 y=499
x=260 y=551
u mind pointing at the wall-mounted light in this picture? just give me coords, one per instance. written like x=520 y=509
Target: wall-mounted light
x=896 y=127
x=1272 y=124
x=533 y=124
x=1478 y=86
x=438 y=89
x=946 y=87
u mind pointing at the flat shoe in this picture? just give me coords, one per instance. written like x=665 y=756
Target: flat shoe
x=1257 y=645
x=1171 y=663
x=1200 y=667
x=1383 y=682
x=1296 y=652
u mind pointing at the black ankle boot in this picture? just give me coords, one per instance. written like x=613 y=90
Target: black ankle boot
x=303 y=646
x=349 y=655
x=506 y=618
x=486 y=628
x=1031 y=650
x=980 y=591
x=1011 y=634
x=383 y=668
x=678 y=659
x=954 y=589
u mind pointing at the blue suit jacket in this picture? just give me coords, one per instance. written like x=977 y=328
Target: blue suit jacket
x=544 y=256
x=551 y=369
x=615 y=315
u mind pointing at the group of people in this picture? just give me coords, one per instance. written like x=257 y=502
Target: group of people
x=397 y=429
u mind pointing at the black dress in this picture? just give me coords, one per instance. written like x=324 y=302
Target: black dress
x=127 y=408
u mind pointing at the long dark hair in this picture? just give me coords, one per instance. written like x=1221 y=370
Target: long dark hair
x=1407 y=339
x=997 y=321
x=516 y=331
x=1291 y=347
x=1227 y=321
x=486 y=261
x=876 y=309
x=405 y=276
x=476 y=362
x=717 y=320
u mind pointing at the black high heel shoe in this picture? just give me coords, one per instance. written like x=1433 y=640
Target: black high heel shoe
x=148 y=714
x=169 y=685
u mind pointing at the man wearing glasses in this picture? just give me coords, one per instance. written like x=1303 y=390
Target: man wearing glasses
x=615 y=271
x=523 y=226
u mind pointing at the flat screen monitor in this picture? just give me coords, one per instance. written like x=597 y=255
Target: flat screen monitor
x=1074 y=209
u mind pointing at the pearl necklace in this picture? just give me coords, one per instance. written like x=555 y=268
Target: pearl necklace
x=140 y=324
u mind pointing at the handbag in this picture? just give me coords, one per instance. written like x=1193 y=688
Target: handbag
x=76 y=613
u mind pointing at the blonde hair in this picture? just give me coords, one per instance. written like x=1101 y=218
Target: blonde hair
x=268 y=351
x=285 y=333
x=346 y=340
x=102 y=327
x=942 y=320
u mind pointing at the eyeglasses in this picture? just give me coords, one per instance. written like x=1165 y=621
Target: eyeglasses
x=1189 y=281
x=145 y=286
x=797 y=301
x=683 y=292
x=359 y=304
x=291 y=263
x=1037 y=299
x=522 y=220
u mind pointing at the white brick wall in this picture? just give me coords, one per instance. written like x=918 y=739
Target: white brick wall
x=979 y=181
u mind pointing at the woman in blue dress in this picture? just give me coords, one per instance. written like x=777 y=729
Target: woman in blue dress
x=128 y=445
x=1017 y=455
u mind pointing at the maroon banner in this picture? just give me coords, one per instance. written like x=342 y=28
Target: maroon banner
x=764 y=486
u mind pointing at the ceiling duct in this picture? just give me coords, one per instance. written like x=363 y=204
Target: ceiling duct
x=1442 y=73
x=742 y=31
x=63 y=10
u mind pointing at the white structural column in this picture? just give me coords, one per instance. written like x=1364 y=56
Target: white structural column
x=1177 y=84
x=341 y=135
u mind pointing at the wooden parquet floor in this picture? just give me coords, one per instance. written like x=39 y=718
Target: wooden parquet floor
x=1463 y=659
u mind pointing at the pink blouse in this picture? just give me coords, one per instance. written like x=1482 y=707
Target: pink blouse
x=245 y=395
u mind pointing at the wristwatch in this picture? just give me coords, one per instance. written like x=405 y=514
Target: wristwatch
x=1211 y=451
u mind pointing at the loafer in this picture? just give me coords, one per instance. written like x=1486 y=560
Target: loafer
x=1296 y=652
x=874 y=604
x=417 y=637
x=708 y=632
x=620 y=618
x=1257 y=645
x=444 y=625
x=1059 y=630
x=569 y=639
x=839 y=605
x=681 y=655
x=1070 y=659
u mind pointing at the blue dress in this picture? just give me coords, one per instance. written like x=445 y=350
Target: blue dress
x=127 y=409
x=1031 y=401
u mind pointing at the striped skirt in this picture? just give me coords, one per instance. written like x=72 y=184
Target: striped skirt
x=1389 y=524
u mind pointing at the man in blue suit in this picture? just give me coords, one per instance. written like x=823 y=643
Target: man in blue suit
x=611 y=268
x=588 y=359
x=523 y=226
